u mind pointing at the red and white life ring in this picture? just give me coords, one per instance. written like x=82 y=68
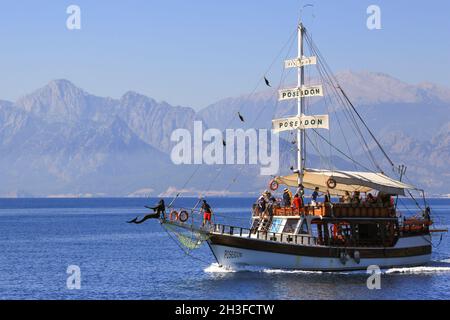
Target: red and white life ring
x=273 y=185
x=173 y=215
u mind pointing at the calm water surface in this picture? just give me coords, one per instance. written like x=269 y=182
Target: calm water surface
x=40 y=238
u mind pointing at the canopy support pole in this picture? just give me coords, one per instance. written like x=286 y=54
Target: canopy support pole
x=300 y=109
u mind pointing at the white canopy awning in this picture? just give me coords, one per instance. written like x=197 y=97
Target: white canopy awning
x=346 y=181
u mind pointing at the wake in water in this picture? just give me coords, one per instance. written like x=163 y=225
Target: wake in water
x=442 y=266
x=418 y=270
x=215 y=268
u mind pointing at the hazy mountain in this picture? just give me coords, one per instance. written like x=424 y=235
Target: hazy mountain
x=411 y=121
x=61 y=140
x=154 y=122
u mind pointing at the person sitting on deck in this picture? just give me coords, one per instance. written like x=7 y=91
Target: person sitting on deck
x=314 y=196
x=371 y=199
x=356 y=199
x=297 y=202
x=207 y=212
x=385 y=199
x=287 y=197
x=346 y=198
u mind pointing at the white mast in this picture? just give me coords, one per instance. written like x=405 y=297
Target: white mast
x=300 y=108
x=300 y=122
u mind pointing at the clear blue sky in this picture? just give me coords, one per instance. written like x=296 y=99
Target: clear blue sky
x=195 y=52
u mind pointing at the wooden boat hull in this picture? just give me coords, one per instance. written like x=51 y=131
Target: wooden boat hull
x=237 y=252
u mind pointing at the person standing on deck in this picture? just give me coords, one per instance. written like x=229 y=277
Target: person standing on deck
x=261 y=204
x=301 y=192
x=207 y=212
x=287 y=197
x=297 y=202
x=314 y=196
x=271 y=203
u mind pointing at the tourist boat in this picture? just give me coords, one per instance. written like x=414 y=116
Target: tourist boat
x=328 y=236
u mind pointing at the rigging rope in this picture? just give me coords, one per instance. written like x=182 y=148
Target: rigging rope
x=365 y=125
x=231 y=120
x=328 y=77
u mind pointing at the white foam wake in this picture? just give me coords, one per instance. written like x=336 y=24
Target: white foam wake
x=417 y=270
x=445 y=260
x=290 y=271
x=215 y=268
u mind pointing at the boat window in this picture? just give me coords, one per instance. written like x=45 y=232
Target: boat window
x=276 y=225
x=290 y=226
x=315 y=229
x=368 y=233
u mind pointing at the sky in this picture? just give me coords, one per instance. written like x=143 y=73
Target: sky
x=193 y=53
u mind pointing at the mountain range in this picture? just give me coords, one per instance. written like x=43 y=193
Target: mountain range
x=62 y=141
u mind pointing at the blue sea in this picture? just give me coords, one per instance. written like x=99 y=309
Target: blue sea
x=41 y=238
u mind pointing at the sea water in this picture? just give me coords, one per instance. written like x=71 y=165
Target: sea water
x=41 y=238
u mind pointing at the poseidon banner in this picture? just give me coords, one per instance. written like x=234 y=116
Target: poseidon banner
x=303 y=122
x=300 y=62
x=294 y=93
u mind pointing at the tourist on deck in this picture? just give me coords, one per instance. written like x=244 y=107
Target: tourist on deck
x=271 y=203
x=346 y=198
x=300 y=190
x=327 y=198
x=207 y=213
x=271 y=199
x=261 y=202
x=297 y=202
x=287 y=197
x=314 y=196
x=371 y=199
x=356 y=199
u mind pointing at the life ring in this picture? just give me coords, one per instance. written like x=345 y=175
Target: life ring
x=273 y=185
x=184 y=216
x=173 y=215
x=331 y=183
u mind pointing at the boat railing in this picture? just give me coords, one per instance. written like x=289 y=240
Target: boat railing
x=263 y=235
x=332 y=210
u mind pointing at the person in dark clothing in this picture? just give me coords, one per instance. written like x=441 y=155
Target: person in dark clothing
x=271 y=203
x=314 y=196
x=287 y=198
x=207 y=212
x=427 y=214
x=159 y=212
x=261 y=204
